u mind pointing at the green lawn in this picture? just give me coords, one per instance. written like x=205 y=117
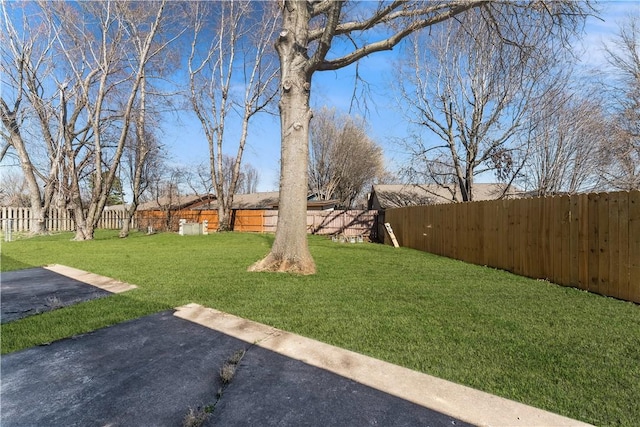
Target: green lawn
x=556 y=348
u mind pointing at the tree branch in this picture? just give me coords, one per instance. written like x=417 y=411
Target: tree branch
x=378 y=17
x=324 y=44
x=453 y=9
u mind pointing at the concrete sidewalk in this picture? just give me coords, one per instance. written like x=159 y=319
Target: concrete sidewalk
x=153 y=370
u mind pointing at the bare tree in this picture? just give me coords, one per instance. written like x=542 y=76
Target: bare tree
x=142 y=163
x=98 y=51
x=143 y=152
x=166 y=192
x=26 y=69
x=304 y=45
x=473 y=93
x=14 y=190
x=167 y=186
x=567 y=132
x=622 y=154
x=343 y=159
x=248 y=180
x=114 y=63
x=198 y=177
x=240 y=35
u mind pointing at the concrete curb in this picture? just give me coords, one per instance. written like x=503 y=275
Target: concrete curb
x=461 y=402
x=102 y=282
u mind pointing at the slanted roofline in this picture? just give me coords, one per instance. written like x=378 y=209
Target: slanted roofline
x=385 y=196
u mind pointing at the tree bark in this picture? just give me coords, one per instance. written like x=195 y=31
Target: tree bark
x=37 y=225
x=290 y=251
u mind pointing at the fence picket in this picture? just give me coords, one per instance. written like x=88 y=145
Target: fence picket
x=623 y=246
x=594 y=240
x=604 y=285
x=535 y=237
x=546 y=255
x=614 y=245
x=564 y=212
x=573 y=246
x=634 y=246
x=583 y=237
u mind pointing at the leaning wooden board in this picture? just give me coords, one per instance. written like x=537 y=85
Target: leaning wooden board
x=393 y=236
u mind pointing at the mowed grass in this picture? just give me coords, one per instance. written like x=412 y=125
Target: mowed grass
x=556 y=348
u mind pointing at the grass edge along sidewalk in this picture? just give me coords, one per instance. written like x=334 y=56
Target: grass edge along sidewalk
x=555 y=348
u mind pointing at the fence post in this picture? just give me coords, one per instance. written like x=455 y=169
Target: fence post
x=8 y=229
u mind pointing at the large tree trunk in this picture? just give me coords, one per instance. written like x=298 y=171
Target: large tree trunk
x=224 y=217
x=38 y=212
x=290 y=251
x=83 y=230
x=38 y=223
x=129 y=214
x=126 y=223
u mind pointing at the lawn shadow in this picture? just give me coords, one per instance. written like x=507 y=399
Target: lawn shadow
x=10 y=264
x=268 y=238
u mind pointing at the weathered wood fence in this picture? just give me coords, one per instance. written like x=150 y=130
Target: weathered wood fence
x=18 y=219
x=349 y=223
x=588 y=241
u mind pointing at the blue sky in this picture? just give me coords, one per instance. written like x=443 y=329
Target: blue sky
x=188 y=146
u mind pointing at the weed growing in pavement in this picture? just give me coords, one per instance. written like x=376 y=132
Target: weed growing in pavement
x=54 y=302
x=228 y=370
x=197 y=417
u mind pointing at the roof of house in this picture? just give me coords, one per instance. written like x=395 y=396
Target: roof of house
x=121 y=207
x=176 y=202
x=267 y=200
x=264 y=200
x=398 y=195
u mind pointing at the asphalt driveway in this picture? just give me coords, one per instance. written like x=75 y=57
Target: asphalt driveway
x=37 y=290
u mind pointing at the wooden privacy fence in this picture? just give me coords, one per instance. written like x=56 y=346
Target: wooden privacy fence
x=588 y=241
x=18 y=219
x=349 y=223
x=243 y=220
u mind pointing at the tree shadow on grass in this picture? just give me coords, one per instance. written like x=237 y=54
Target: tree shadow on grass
x=10 y=264
x=268 y=238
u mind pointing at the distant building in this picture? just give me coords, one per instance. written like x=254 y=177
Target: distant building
x=176 y=202
x=270 y=200
x=165 y=213
x=398 y=195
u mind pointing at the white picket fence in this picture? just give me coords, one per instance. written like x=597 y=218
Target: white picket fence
x=18 y=219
